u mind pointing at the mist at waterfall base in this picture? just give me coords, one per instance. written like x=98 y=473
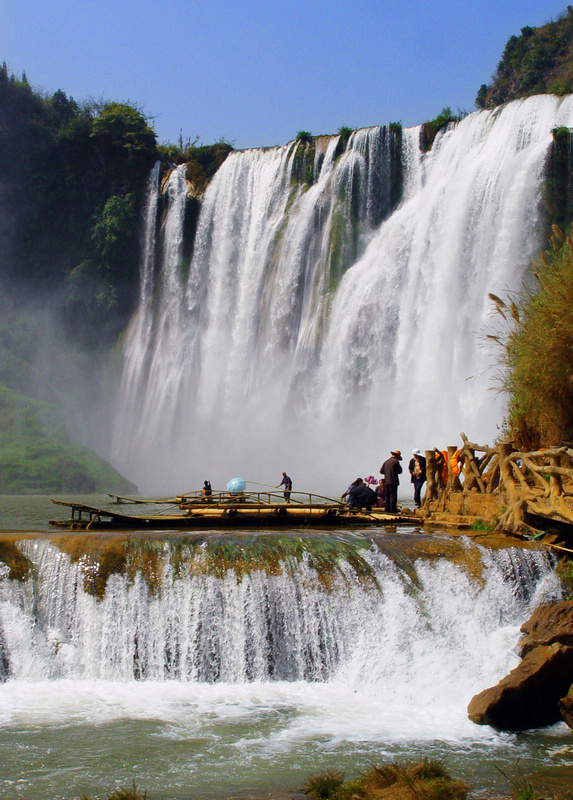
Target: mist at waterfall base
x=216 y=686
x=317 y=327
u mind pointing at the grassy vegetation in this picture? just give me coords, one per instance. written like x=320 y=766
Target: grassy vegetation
x=421 y=780
x=564 y=572
x=430 y=129
x=537 y=352
x=36 y=456
x=538 y=61
x=426 y=780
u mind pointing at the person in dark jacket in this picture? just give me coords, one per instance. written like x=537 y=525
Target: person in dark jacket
x=417 y=469
x=287 y=483
x=361 y=495
x=390 y=471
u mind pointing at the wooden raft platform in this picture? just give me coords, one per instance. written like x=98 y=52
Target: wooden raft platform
x=221 y=510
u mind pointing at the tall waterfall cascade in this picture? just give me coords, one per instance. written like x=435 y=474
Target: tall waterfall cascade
x=322 y=321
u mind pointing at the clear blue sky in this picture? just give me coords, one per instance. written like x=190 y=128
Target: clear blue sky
x=257 y=72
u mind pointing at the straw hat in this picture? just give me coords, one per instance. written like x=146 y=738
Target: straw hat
x=396 y=453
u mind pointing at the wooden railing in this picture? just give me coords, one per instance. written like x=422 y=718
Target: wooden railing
x=537 y=483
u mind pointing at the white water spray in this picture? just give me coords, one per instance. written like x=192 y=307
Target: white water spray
x=317 y=328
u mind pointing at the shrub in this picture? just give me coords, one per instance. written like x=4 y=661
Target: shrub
x=419 y=780
x=304 y=136
x=323 y=786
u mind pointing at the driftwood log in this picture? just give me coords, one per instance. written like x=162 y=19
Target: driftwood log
x=538 y=483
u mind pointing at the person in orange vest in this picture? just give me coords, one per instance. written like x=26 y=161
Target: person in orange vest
x=456 y=464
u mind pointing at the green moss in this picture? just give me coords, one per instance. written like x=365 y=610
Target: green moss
x=564 y=572
x=344 y=241
x=396 y=170
x=557 y=194
x=102 y=555
x=203 y=162
x=344 y=134
x=303 y=163
x=431 y=128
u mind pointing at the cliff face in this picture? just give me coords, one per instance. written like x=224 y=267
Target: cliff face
x=539 y=61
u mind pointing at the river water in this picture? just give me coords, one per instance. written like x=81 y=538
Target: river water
x=373 y=656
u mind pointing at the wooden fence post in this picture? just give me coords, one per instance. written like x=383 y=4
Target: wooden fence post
x=431 y=485
x=453 y=480
x=507 y=480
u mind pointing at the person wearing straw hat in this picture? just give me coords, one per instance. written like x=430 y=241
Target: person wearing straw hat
x=390 y=471
x=417 y=469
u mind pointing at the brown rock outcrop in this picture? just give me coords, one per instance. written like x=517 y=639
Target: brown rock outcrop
x=529 y=696
x=548 y=624
x=566 y=708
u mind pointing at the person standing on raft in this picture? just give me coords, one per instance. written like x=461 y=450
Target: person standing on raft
x=390 y=471
x=287 y=483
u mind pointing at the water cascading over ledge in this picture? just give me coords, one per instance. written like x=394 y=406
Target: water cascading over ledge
x=317 y=326
x=253 y=608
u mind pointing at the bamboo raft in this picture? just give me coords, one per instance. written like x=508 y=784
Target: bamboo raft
x=224 y=510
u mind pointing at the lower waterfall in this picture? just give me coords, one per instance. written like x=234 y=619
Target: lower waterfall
x=204 y=676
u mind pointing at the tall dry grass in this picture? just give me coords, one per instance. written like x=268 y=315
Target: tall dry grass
x=537 y=350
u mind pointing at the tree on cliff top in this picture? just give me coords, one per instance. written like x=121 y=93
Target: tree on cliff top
x=538 y=61
x=73 y=177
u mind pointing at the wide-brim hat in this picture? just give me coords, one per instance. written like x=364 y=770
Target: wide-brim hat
x=396 y=453
x=416 y=452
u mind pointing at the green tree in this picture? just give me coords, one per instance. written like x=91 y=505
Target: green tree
x=114 y=232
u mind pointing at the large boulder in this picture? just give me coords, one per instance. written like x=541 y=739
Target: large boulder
x=566 y=708
x=529 y=696
x=548 y=624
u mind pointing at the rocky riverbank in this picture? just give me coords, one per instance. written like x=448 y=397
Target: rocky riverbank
x=539 y=691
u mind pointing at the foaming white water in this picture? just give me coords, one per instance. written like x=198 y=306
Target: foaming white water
x=317 y=328
x=215 y=685
x=388 y=654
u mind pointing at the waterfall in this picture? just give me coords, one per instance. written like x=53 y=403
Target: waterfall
x=320 y=323
x=365 y=619
x=213 y=667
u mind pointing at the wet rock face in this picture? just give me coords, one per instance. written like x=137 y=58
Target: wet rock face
x=566 y=708
x=4 y=663
x=539 y=691
x=548 y=624
x=529 y=696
